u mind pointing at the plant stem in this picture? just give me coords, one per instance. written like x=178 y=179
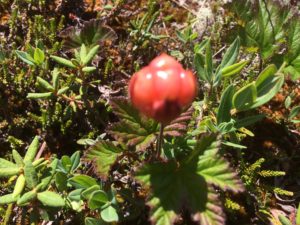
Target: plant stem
x=159 y=140
x=8 y=214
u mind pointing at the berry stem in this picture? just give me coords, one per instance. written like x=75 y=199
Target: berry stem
x=160 y=139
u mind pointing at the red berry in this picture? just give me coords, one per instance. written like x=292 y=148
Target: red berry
x=162 y=89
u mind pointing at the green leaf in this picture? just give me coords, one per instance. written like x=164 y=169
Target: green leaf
x=47 y=176
x=61 y=181
x=244 y=98
x=27 y=197
x=55 y=78
x=7 y=199
x=223 y=113
x=298 y=215
x=248 y=121
x=30 y=175
x=25 y=57
x=32 y=150
x=264 y=79
x=294 y=112
x=10 y=171
x=283 y=220
x=19 y=186
x=199 y=62
x=133 y=129
x=233 y=69
x=44 y=84
x=39 y=56
x=231 y=54
x=7 y=164
x=209 y=61
x=293 y=71
x=82 y=181
x=293 y=39
x=94 y=221
x=234 y=145
x=62 y=90
x=39 y=95
x=63 y=61
x=102 y=155
x=51 y=199
x=92 y=32
x=86 y=194
x=97 y=199
x=109 y=214
x=66 y=163
x=90 y=55
x=75 y=159
x=17 y=157
x=75 y=195
x=267 y=85
x=89 y=69
x=83 y=52
x=187 y=183
x=215 y=169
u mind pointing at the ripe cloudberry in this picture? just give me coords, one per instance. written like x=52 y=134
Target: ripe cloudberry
x=162 y=89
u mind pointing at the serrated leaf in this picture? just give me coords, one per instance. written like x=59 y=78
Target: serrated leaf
x=133 y=129
x=63 y=61
x=92 y=32
x=223 y=114
x=214 y=168
x=244 y=98
x=51 y=199
x=32 y=150
x=293 y=39
x=187 y=184
x=103 y=155
x=25 y=57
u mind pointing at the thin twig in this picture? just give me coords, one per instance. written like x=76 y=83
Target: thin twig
x=41 y=150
